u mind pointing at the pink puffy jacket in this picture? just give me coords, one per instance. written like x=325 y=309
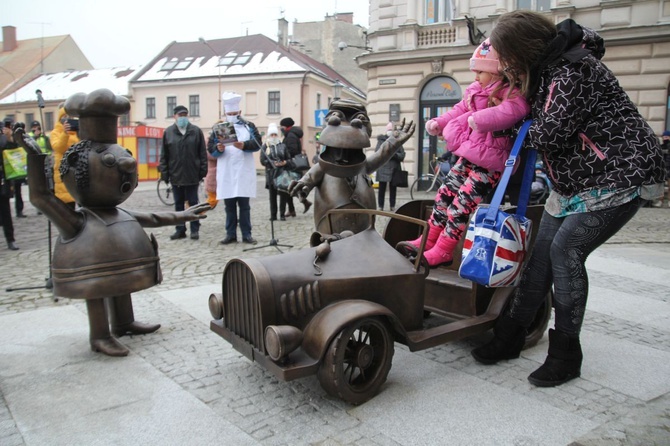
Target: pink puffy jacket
x=480 y=146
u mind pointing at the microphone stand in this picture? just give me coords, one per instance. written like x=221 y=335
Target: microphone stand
x=273 y=241
x=49 y=280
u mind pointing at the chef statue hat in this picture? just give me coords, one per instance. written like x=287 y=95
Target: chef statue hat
x=98 y=114
x=231 y=102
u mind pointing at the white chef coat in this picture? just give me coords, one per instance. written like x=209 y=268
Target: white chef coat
x=236 y=170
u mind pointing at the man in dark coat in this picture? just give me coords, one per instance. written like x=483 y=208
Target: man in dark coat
x=293 y=141
x=183 y=163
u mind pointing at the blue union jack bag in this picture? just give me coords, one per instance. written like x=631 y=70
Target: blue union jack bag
x=496 y=242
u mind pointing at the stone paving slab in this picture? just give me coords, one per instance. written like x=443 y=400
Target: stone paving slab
x=61 y=394
x=457 y=408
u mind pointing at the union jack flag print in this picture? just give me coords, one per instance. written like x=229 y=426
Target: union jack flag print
x=494 y=251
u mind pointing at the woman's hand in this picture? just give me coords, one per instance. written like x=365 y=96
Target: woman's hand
x=238 y=145
x=220 y=147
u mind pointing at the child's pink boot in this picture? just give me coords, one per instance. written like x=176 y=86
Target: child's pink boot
x=442 y=253
x=433 y=233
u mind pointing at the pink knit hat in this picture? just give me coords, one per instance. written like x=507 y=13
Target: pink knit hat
x=485 y=58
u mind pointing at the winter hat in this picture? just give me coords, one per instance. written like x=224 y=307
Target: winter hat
x=272 y=129
x=180 y=109
x=666 y=133
x=389 y=127
x=485 y=58
x=231 y=102
x=287 y=122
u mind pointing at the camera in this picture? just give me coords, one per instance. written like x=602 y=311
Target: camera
x=74 y=124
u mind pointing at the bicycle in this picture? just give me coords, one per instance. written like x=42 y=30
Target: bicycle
x=164 y=191
x=426 y=186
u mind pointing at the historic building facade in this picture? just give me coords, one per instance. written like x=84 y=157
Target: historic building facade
x=420 y=50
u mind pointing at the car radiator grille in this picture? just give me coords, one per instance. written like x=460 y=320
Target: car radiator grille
x=241 y=304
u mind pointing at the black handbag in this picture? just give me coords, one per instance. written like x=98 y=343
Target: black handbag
x=301 y=162
x=400 y=178
x=284 y=179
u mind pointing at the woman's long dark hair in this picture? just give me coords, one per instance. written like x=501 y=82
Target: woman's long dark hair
x=521 y=39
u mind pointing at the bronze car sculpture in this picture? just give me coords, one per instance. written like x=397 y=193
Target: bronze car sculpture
x=335 y=309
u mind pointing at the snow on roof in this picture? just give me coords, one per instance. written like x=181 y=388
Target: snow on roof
x=239 y=56
x=206 y=66
x=60 y=86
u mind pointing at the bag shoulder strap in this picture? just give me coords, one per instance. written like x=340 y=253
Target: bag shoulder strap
x=524 y=195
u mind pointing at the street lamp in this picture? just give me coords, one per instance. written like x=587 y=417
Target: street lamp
x=344 y=45
x=337 y=89
x=203 y=41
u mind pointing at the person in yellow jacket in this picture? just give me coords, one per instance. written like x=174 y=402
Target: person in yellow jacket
x=62 y=137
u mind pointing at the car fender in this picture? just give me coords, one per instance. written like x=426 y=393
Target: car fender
x=327 y=323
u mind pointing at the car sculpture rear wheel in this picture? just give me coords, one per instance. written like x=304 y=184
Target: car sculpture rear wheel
x=358 y=361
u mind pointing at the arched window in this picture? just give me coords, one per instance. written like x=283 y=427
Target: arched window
x=439 y=95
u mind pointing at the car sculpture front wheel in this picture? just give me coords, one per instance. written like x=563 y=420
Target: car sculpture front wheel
x=357 y=361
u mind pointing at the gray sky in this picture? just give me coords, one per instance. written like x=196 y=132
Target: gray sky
x=115 y=33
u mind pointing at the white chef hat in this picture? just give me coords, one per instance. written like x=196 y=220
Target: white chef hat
x=231 y=101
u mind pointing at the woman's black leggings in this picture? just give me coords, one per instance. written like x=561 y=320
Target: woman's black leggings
x=559 y=256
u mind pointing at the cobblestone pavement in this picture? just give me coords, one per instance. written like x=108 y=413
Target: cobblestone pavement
x=299 y=412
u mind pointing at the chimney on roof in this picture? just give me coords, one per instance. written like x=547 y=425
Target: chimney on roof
x=9 y=38
x=282 y=32
x=347 y=17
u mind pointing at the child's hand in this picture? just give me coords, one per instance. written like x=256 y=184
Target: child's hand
x=432 y=128
x=496 y=101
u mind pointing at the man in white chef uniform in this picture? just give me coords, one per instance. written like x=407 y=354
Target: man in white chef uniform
x=236 y=171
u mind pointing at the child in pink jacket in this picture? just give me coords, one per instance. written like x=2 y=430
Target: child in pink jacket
x=490 y=104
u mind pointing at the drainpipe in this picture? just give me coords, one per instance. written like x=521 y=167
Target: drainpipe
x=303 y=86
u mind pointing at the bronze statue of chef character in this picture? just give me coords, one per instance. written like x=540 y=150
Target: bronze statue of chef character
x=341 y=177
x=102 y=253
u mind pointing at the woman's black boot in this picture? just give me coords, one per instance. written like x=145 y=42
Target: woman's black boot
x=508 y=340
x=563 y=363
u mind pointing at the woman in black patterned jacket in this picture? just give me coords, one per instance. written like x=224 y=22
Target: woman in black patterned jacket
x=604 y=163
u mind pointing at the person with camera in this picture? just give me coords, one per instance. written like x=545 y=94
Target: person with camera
x=7 y=186
x=385 y=172
x=62 y=137
x=183 y=163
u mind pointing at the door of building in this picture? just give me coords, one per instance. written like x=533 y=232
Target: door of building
x=438 y=96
